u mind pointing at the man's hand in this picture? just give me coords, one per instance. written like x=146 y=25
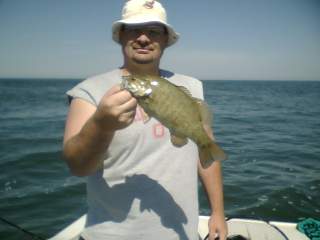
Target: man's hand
x=89 y=130
x=116 y=109
x=217 y=227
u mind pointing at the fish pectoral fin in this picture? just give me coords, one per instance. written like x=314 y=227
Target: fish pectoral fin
x=145 y=117
x=178 y=141
x=211 y=153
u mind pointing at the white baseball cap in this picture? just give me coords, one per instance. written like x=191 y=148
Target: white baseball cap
x=143 y=12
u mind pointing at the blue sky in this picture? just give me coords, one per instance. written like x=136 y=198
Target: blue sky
x=225 y=39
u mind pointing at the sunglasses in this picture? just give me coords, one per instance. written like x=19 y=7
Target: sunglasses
x=151 y=31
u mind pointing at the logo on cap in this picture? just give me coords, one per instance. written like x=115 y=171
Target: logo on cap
x=149 y=4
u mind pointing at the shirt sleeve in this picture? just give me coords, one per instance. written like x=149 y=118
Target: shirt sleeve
x=195 y=87
x=198 y=89
x=83 y=92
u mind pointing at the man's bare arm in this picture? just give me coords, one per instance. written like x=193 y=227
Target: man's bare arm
x=212 y=181
x=89 y=129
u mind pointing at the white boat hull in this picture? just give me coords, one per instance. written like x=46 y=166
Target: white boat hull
x=251 y=229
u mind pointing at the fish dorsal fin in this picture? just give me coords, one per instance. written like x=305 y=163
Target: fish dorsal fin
x=205 y=112
x=185 y=90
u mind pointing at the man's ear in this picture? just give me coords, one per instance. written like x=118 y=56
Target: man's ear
x=121 y=32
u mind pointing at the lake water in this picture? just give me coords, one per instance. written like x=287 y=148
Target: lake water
x=270 y=130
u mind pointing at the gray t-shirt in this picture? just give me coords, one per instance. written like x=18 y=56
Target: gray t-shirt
x=147 y=188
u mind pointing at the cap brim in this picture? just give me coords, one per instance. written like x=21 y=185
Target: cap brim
x=173 y=36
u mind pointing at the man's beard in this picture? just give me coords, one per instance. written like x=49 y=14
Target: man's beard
x=143 y=60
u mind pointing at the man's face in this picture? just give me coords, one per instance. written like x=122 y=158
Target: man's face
x=143 y=44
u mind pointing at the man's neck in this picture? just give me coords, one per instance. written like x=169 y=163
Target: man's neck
x=141 y=70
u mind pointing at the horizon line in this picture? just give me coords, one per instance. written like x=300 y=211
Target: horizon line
x=205 y=79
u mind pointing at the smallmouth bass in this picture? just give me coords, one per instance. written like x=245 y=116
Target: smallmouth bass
x=175 y=108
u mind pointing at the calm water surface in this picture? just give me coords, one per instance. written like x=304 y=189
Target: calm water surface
x=270 y=130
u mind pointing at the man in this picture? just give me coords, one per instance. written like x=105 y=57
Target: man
x=139 y=185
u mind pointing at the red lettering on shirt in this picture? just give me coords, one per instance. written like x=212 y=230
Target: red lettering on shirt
x=158 y=130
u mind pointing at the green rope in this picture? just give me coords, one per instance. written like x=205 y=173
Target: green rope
x=310 y=227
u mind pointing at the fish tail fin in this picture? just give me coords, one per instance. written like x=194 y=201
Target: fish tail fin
x=210 y=153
